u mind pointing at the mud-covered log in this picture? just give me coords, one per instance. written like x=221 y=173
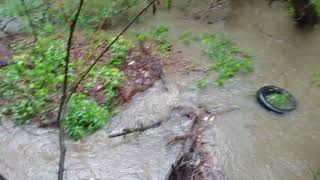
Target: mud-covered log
x=140 y=128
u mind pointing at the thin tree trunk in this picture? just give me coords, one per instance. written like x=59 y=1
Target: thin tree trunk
x=86 y=72
x=62 y=106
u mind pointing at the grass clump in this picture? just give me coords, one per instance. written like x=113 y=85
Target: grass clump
x=316 y=79
x=31 y=86
x=84 y=117
x=33 y=79
x=278 y=100
x=227 y=58
x=158 y=35
x=119 y=51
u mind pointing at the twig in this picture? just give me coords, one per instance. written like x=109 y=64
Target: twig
x=32 y=26
x=62 y=106
x=86 y=72
x=142 y=128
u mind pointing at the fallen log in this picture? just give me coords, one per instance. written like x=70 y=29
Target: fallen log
x=140 y=128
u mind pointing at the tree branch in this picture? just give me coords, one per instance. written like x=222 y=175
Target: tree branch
x=86 y=72
x=62 y=106
x=140 y=128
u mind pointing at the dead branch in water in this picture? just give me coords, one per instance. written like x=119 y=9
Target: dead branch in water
x=62 y=106
x=140 y=128
x=195 y=162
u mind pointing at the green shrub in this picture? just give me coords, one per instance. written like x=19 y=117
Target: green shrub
x=84 y=117
x=33 y=79
x=227 y=58
x=160 y=35
x=119 y=51
x=32 y=85
x=316 y=4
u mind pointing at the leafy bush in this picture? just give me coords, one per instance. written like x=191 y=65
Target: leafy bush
x=33 y=79
x=157 y=34
x=84 y=117
x=119 y=51
x=227 y=59
x=31 y=85
x=160 y=35
x=316 y=4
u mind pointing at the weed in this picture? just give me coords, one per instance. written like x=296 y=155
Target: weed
x=278 y=100
x=289 y=7
x=119 y=51
x=33 y=79
x=316 y=174
x=187 y=37
x=160 y=35
x=84 y=117
x=227 y=59
x=316 y=79
x=203 y=81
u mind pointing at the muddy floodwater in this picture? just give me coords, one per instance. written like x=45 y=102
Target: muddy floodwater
x=248 y=144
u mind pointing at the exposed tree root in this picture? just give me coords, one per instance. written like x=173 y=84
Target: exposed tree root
x=195 y=162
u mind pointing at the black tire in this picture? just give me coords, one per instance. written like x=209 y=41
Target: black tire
x=266 y=90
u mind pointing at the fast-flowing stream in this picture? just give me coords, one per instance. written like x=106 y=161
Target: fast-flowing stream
x=249 y=143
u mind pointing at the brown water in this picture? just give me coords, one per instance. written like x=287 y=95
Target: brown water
x=250 y=144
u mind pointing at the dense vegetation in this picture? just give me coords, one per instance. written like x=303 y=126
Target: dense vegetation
x=31 y=85
x=226 y=57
